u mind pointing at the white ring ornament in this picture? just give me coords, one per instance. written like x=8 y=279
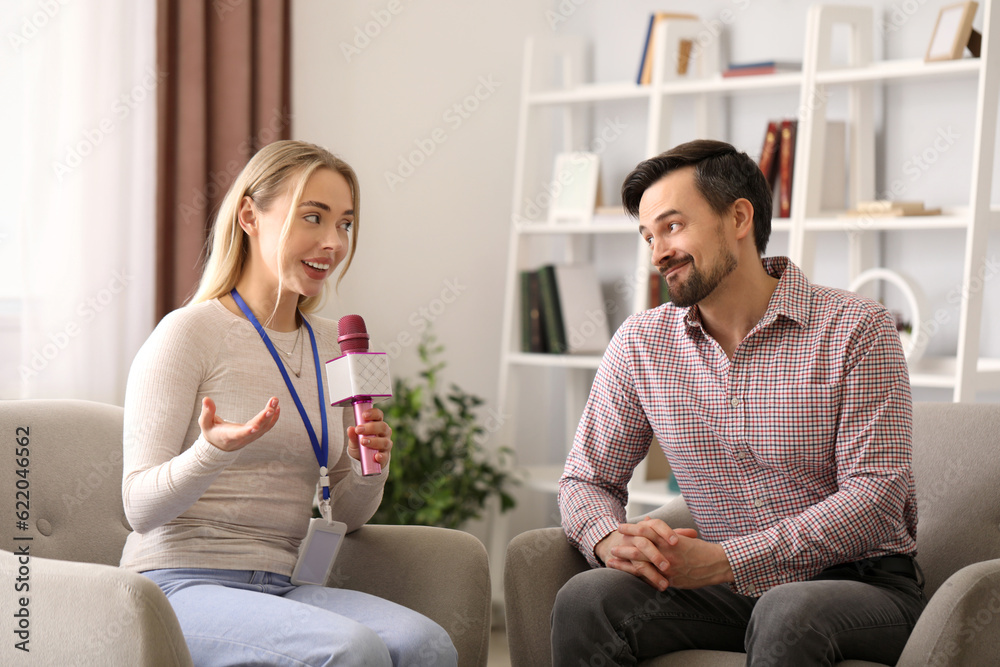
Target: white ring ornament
x=914 y=344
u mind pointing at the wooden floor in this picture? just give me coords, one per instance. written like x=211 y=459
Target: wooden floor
x=499 y=656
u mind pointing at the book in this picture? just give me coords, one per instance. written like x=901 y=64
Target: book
x=833 y=189
x=572 y=309
x=659 y=292
x=769 y=154
x=785 y=167
x=888 y=205
x=765 y=67
x=551 y=310
x=683 y=55
x=532 y=330
x=584 y=320
x=783 y=65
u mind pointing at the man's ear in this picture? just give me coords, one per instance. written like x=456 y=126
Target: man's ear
x=247 y=216
x=742 y=213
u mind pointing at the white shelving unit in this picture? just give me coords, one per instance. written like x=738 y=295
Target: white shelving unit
x=554 y=101
x=966 y=372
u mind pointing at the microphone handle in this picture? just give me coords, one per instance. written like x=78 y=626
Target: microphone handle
x=369 y=466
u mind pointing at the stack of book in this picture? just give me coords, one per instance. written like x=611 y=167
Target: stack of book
x=562 y=310
x=765 y=67
x=659 y=293
x=777 y=162
x=887 y=208
x=683 y=54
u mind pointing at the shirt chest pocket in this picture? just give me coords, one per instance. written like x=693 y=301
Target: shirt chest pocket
x=795 y=426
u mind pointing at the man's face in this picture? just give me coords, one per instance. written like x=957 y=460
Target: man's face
x=687 y=238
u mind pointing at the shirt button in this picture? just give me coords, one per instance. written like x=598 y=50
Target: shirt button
x=758 y=503
x=735 y=402
x=751 y=589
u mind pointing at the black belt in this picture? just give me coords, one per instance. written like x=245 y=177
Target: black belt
x=904 y=565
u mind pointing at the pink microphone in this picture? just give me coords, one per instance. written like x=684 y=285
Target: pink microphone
x=358 y=378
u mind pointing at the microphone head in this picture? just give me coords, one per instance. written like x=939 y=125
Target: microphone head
x=352 y=335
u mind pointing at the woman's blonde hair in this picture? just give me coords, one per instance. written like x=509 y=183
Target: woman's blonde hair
x=265 y=178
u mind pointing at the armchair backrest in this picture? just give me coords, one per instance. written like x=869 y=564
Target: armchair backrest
x=956 y=462
x=72 y=479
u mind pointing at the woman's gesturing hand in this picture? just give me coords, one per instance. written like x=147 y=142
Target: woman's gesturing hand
x=230 y=436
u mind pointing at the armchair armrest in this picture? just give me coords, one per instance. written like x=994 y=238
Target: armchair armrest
x=959 y=625
x=73 y=609
x=441 y=573
x=538 y=563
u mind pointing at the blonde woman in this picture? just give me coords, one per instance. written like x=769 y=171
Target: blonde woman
x=221 y=463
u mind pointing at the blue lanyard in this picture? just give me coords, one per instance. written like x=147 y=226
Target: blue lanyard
x=321 y=450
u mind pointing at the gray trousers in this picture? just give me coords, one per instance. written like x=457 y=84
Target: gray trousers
x=854 y=611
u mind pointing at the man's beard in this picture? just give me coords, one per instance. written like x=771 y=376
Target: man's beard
x=698 y=285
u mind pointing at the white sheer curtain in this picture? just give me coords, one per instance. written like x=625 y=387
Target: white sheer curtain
x=81 y=182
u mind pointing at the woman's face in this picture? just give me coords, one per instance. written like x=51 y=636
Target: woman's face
x=318 y=237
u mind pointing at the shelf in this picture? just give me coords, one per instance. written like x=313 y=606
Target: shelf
x=598 y=226
x=957 y=218
x=554 y=360
x=596 y=92
x=734 y=84
x=947 y=220
x=609 y=92
x=546 y=478
x=891 y=70
x=939 y=372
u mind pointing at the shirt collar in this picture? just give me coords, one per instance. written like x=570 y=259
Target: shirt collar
x=791 y=298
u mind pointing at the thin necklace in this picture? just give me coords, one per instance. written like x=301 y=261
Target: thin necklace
x=298 y=335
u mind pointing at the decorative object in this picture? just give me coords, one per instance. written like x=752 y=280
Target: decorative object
x=441 y=473
x=953 y=32
x=914 y=344
x=574 y=187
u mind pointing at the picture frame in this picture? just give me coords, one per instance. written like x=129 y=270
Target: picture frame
x=952 y=31
x=575 y=178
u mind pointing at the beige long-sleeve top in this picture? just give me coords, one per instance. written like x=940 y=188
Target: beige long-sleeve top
x=193 y=505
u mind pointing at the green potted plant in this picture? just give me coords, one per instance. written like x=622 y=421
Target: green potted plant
x=441 y=473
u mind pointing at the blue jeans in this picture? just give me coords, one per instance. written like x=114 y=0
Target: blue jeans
x=858 y=611
x=243 y=617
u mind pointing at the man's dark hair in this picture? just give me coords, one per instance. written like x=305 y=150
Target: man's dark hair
x=722 y=175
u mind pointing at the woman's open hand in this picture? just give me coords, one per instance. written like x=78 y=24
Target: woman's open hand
x=230 y=436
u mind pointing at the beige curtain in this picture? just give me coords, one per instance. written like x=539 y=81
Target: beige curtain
x=226 y=93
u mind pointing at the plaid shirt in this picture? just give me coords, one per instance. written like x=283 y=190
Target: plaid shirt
x=795 y=455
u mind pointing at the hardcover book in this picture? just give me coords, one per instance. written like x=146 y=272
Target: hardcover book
x=787 y=159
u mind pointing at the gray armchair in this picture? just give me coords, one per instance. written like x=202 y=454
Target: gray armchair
x=80 y=608
x=956 y=460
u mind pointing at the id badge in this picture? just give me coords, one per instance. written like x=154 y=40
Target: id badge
x=318 y=551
